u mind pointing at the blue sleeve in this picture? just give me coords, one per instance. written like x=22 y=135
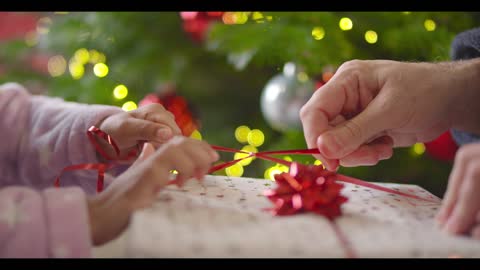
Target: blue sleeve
x=466 y=45
x=462 y=138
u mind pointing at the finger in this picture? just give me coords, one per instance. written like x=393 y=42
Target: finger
x=185 y=166
x=147 y=151
x=468 y=203
x=370 y=154
x=347 y=137
x=324 y=106
x=475 y=233
x=201 y=158
x=139 y=129
x=403 y=139
x=214 y=156
x=157 y=113
x=165 y=118
x=331 y=165
x=454 y=183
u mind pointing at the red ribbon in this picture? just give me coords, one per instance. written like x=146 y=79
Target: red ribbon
x=304 y=188
x=340 y=177
x=100 y=167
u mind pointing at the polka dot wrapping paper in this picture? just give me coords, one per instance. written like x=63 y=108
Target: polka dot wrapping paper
x=225 y=217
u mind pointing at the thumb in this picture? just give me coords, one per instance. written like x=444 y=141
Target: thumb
x=347 y=137
x=147 y=151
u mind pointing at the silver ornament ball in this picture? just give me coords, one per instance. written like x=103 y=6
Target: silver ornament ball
x=283 y=97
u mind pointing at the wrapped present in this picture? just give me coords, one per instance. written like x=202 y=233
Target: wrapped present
x=227 y=217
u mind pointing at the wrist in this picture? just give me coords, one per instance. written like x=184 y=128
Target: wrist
x=465 y=84
x=108 y=215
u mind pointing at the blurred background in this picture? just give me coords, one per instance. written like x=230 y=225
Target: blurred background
x=236 y=79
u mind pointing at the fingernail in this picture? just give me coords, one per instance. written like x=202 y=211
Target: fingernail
x=164 y=133
x=332 y=165
x=215 y=155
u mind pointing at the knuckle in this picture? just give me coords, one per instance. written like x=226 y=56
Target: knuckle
x=463 y=154
x=352 y=64
x=353 y=129
x=304 y=111
x=124 y=124
x=475 y=172
x=170 y=114
x=156 y=107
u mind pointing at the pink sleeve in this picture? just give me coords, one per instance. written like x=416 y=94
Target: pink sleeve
x=42 y=135
x=52 y=223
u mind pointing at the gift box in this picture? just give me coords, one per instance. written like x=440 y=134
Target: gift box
x=226 y=217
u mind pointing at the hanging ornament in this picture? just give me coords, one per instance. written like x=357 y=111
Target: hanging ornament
x=196 y=23
x=185 y=115
x=442 y=148
x=283 y=97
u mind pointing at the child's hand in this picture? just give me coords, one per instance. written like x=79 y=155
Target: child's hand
x=150 y=123
x=460 y=212
x=137 y=188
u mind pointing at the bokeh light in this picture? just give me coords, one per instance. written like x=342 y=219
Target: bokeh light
x=255 y=137
x=100 y=70
x=326 y=76
x=241 y=133
x=317 y=162
x=318 y=33
x=240 y=17
x=228 y=18
x=76 y=69
x=236 y=170
x=430 y=25
x=120 y=91
x=43 y=25
x=57 y=65
x=196 y=135
x=257 y=16
x=302 y=76
x=129 y=106
x=371 y=36
x=82 y=56
x=418 y=149
x=345 y=24
x=97 y=57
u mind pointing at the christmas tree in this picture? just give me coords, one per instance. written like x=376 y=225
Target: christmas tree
x=222 y=62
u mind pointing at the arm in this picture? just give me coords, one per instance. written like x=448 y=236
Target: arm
x=52 y=223
x=42 y=135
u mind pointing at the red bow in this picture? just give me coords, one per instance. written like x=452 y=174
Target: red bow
x=307 y=188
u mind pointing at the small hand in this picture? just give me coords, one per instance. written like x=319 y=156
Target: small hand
x=151 y=123
x=137 y=187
